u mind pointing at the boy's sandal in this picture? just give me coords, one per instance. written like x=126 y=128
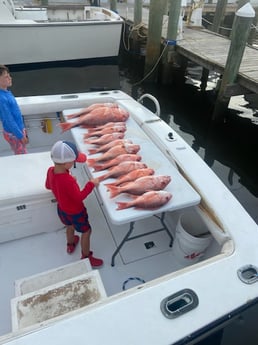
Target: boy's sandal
x=71 y=246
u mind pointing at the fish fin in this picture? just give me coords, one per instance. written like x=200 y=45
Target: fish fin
x=122 y=205
x=87 y=141
x=89 y=135
x=91 y=162
x=92 y=151
x=114 y=191
x=98 y=167
x=133 y=196
x=89 y=127
x=108 y=185
x=72 y=116
x=65 y=126
x=102 y=177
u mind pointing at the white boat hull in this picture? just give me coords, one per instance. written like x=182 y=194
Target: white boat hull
x=32 y=41
x=136 y=315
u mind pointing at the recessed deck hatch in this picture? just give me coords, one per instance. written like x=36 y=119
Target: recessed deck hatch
x=248 y=274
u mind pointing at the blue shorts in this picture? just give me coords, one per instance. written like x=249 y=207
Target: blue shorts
x=79 y=221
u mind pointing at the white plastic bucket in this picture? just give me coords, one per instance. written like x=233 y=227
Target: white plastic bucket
x=191 y=240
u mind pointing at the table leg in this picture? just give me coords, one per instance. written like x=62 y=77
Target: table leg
x=165 y=227
x=122 y=243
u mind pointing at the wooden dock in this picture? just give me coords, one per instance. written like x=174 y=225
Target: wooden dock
x=208 y=50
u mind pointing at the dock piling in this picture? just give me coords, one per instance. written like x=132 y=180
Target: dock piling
x=174 y=8
x=156 y=12
x=241 y=28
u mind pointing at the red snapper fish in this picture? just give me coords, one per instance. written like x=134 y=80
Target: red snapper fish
x=108 y=124
x=106 y=147
x=121 y=169
x=131 y=176
x=98 y=116
x=117 y=160
x=114 y=152
x=107 y=130
x=106 y=138
x=148 y=201
x=90 y=108
x=141 y=185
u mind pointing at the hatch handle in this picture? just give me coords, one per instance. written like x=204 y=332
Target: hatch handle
x=179 y=303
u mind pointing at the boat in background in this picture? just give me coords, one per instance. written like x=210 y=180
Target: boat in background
x=37 y=35
x=146 y=292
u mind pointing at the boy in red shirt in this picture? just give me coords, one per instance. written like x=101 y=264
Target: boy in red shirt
x=70 y=206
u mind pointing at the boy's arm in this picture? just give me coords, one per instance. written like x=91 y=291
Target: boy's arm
x=9 y=122
x=88 y=188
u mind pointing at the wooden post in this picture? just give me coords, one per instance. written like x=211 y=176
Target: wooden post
x=137 y=20
x=219 y=15
x=137 y=12
x=113 y=5
x=241 y=3
x=252 y=35
x=156 y=12
x=174 y=8
x=204 y=79
x=240 y=32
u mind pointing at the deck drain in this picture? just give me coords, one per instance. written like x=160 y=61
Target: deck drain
x=248 y=274
x=149 y=245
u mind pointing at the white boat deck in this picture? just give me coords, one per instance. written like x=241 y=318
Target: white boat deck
x=145 y=258
x=140 y=260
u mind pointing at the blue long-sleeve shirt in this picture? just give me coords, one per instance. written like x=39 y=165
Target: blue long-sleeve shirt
x=10 y=114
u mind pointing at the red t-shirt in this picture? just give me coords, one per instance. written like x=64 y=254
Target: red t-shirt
x=67 y=191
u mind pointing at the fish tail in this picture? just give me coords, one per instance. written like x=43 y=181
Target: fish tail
x=65 y=126
x=87 y=135
x=114 y=191
x=72 y=116
x=98 y=167
x=91 y=162
x=122 y=205
x=109 y=185
x=102 y=177
x=92 y=151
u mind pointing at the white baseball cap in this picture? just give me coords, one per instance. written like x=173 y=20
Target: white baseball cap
x=65 y=152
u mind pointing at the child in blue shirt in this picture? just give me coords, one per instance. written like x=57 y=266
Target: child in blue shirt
x=10 y=115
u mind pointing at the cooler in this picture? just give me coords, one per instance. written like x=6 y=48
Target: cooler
x=26 y=206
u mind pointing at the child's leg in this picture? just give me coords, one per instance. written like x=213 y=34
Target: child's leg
x=72 y=239
x=86 y=252
x=85 y=243
x=17 y=145
x=70 y=234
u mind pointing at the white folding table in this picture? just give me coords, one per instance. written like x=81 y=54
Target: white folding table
x=183 y=194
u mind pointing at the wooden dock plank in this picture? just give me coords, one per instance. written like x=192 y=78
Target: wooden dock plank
x=210 y=50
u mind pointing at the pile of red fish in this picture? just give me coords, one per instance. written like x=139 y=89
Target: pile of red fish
x=119 y=157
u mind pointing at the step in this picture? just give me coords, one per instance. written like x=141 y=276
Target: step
x=62 y=299
x=50 y=277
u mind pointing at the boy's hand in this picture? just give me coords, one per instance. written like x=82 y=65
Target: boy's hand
x=95 y=181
